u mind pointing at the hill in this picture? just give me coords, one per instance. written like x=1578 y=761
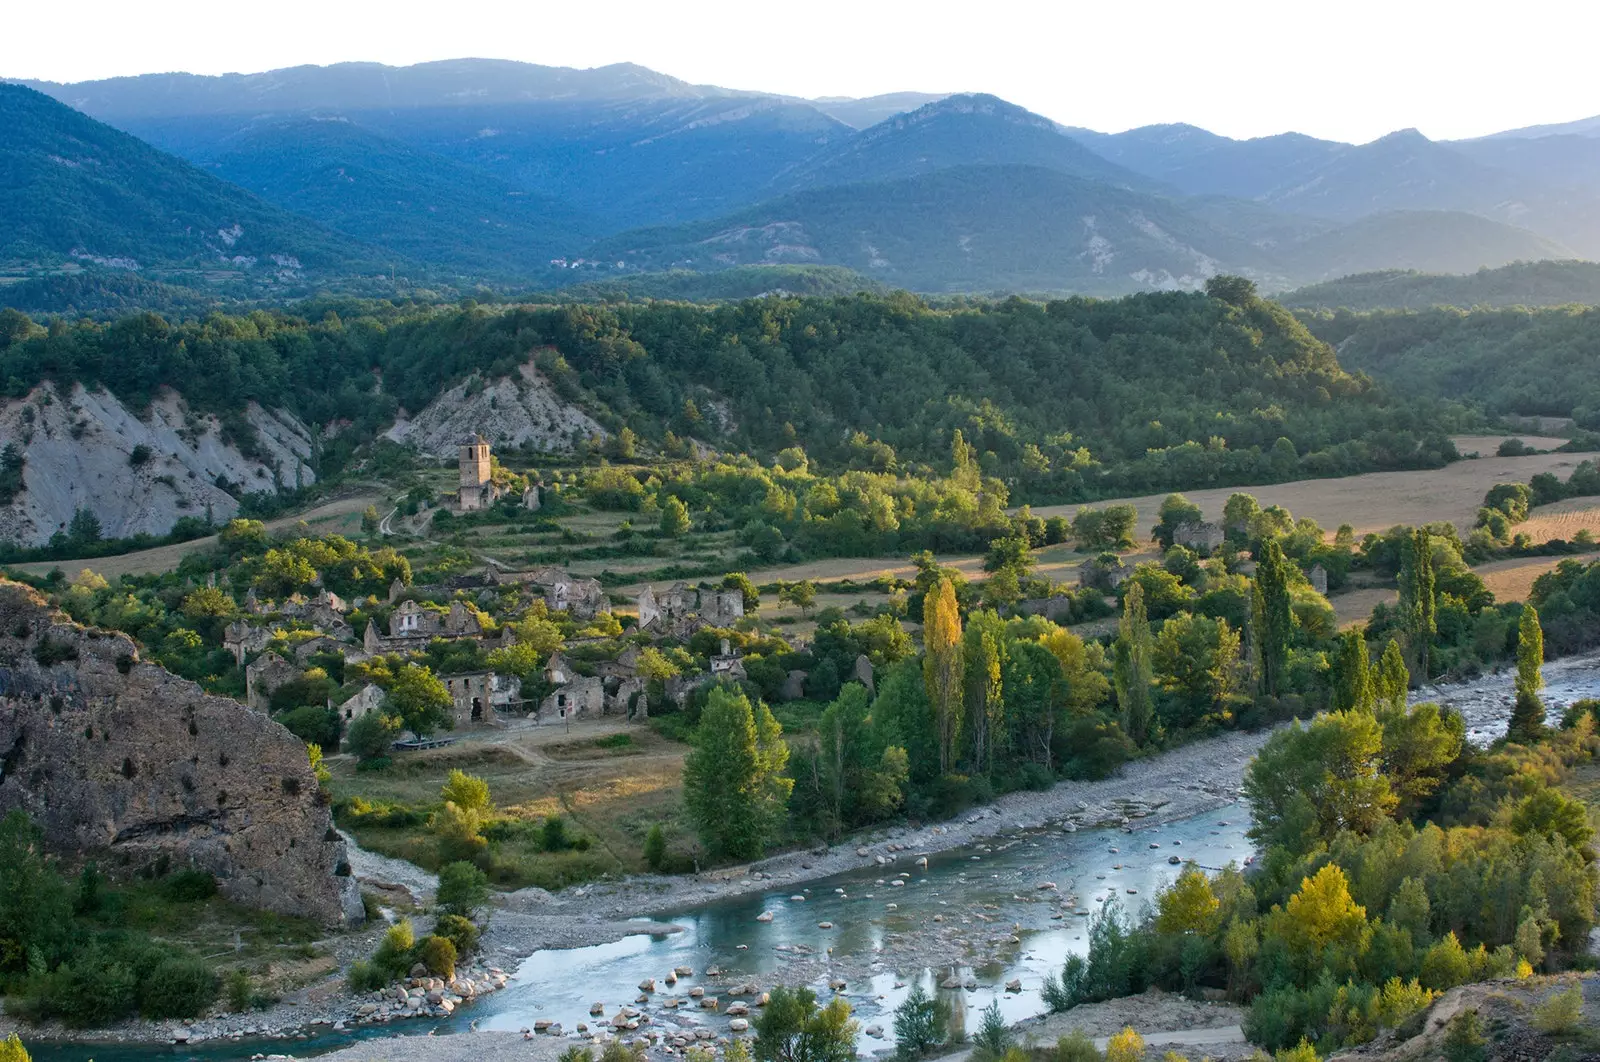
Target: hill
x=74 y=189
x=740 y=282
x=870 y=110
x=420 y=205
x=1469 y=356
x=1013 y=228
x=1435 y=241
x=1203 y=163
x=1547 y=283
x=962 y=130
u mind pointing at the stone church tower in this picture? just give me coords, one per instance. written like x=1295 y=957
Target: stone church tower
x=476 y=489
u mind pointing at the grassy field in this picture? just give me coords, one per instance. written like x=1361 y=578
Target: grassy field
x=1376 y=501
x=610 y=780
x=1488 y=445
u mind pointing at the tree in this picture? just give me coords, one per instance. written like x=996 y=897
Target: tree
x=985 y=702
x=1195 y=661
x=1418 y=747
x=420 y=700
x=1390 y=679
x=921 y=1023
x=674 y=517
x=1351 y=680
x=1272 y=619
x=370 y=519
x=942 y=669
x=1321 y=915
x=11 y=1050
x=372 y=735
x=993 y=1038
x=655 y=847
x=1236 y=291
x=1188 y=905
x=1417 y=607
x=1329 y=770
x=1175 y=511
x=1127 y=1045
x=463 y=889
x=733 y=783
x=467 y=791
x=801 y=595
x=1527 y=714
x=741 y=582
x=1131 y=671
x=1110 y=528
x=792 y=1028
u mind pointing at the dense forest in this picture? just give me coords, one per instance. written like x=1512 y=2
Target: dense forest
x=1548 y=283
x=1465 y=355
x=1063 y=400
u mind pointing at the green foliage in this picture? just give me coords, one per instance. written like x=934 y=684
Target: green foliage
x=655 y=847
x=1527 y=714
x=438 y=954
x=11 y=1050
x=1132 y=669
x=792 y=1028
x=177 y=988
x=734 y=788
x=461 y=932
x=993 y=1037
x=419 y=699
x=371 y=736
x=1561 y=1012
x=921 y=1023
x=463 y=889
x=1110 y=528
x=1272 y=619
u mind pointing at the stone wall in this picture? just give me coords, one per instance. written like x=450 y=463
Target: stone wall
x=126 y=762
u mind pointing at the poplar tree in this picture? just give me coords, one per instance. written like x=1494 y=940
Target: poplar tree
x=1352 y=678
x=1390 y=679
x=942 y=672
x=733 y=783
x=1272 y=620
x=1527 y=713
x=1131 y=669
x=1417 y=606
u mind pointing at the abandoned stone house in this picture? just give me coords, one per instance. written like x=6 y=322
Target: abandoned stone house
x=1056 y=607
x=1319 y=579
x=368 y=698
x=411 y=620
x=680 y=610
x=241 y=639
x=264 y=675
x=727 y=664
x=1202 y=536
x=582 y=598
x=1104 y=573
x=481 y=696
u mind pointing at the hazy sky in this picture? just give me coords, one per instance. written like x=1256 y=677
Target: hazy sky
x=1349 y=70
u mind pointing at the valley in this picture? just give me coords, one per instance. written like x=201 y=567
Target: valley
x=504 y=560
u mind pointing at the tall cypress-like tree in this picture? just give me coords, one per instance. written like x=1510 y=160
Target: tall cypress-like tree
x=733 y=783
x=1352 y=678
x=1390 y=679
x=1527 y=713
x=1272 y=620
x=941 y=667
x=1131 y=668
x=1417 y=606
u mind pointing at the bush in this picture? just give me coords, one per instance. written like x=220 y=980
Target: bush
x=11 y=1050
x=238 y=991
x=1077 y=1047
x=921 y=1023
x=458 y=931
x=189 y=885
x=177 y=988
x=1561 y=1012
x=463 y=889
x=438 y=954
x=993 y=1038
x=655 y=847
x=1125 y=1046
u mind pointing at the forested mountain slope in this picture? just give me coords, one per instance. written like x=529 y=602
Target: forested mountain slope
x=73 y=189
x=1530 y=362
x=1549 y=283
x=1074 y=398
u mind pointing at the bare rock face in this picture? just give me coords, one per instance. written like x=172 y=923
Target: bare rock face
x=127 y=762
x=519 y=410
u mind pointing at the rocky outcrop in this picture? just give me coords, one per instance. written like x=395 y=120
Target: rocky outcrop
x=138 y=472
x=122 y=760
x=513 y=411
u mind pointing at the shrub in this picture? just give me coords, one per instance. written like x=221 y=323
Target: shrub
x=11 y=1050
x=1446 y=965
x=365 y=977
x=177 y=988
x=237 y=989
x=921 y=1023
x=993 y=1038
x=655 y=847
x=1465 y=1042
x=438 y=954
x=458 y=931
x=553 y=837
x=1125 y=1046
x=189 y=885
x=1561 y=1012
x=1077 y=1047
x=463 y=889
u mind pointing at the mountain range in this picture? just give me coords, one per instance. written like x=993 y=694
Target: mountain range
x=509 y=173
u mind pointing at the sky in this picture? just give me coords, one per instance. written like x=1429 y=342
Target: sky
x=1347 y=70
